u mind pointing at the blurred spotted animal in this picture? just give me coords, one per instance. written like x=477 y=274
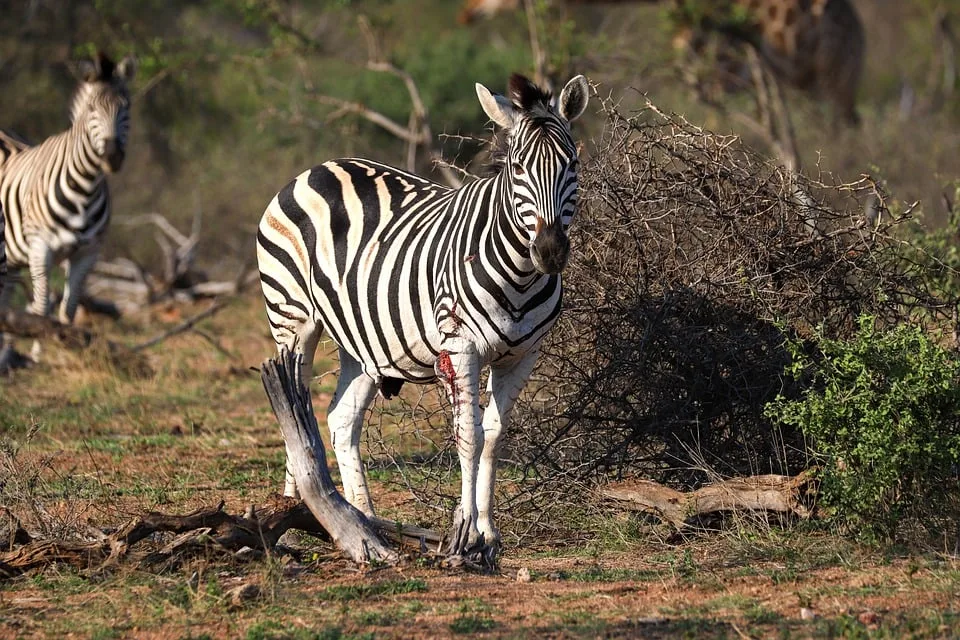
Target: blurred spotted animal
x=814 y=45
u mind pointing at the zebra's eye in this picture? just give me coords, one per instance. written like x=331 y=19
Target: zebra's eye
x=519 y=171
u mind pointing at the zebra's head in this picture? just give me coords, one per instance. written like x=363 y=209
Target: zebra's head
x=101 y=106
x=541 y=162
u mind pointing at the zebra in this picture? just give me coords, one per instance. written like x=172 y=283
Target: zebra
x=417 y=282
x=55 y=194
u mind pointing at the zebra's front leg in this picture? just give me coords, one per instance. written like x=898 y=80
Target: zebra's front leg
x=458 y=367
x=77 y=267
x=40 y=262
x=505 y=385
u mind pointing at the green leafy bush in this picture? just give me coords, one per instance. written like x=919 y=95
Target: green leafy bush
x=882 y=411
x=936 y=247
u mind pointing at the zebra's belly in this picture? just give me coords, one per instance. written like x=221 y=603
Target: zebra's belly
x=408 y=347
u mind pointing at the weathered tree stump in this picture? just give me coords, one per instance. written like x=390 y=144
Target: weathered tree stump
x=350 y=529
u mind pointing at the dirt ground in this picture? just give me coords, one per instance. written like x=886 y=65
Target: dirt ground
x=112 y=442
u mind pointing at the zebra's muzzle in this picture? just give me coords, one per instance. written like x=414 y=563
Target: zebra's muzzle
x=114 y=154
x=550 y=249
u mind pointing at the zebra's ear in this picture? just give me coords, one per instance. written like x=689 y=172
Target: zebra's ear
x=87 y=71
x=574 y=98
x=126 y=68
x=497 y=108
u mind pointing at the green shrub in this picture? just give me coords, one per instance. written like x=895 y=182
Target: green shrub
x=882 y=411
x=937 y=248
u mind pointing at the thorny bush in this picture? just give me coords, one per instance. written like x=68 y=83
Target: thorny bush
x=693 y=259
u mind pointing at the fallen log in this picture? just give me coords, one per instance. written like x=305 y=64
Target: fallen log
x=350 y=529
x=765 y=493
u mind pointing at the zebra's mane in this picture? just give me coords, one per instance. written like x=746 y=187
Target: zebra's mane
x=95 y=75
x=530 y=99
x=531 y=102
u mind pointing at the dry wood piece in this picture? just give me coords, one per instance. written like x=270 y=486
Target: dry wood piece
x=206 y=528
x=28 y=325
x=350 y=529
x=780 y=494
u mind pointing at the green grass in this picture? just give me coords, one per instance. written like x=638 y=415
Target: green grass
x=472 y=624
x=346 y=593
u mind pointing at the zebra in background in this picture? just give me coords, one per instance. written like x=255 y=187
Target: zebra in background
x=418 y=282
x=55 y=194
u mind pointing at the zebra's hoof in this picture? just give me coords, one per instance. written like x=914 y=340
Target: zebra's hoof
x=468 y=548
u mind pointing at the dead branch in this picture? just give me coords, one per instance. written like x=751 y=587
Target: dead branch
x=186 y=325
x=136 y=287
x=766 y=493
x=205 y=528
x=350 y=529
x=28 y=325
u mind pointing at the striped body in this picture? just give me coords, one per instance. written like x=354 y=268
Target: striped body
x=54 y=192
x=418 y=282
x=393 y=262
x=54 y=195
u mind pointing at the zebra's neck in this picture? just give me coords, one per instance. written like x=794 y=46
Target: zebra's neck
x=81 y=166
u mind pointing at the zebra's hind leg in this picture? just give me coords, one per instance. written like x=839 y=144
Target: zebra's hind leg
x=355 y=391
x=41 y=262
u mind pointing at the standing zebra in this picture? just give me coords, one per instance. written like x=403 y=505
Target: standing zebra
x=417 y=282
x=55 y=194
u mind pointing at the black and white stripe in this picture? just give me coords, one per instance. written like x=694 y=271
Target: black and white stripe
x=418 y=282
x=55 y=194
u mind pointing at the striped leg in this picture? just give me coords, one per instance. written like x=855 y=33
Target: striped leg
x=77 y=266
x=41 y=260
x=505 y=386
x=459 y=369
x=355 y=391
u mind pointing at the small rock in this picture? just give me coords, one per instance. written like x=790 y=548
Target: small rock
x=246 y=554
x=523 y=575
x=239 y=596
x=868 y=618
x=807 y=614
